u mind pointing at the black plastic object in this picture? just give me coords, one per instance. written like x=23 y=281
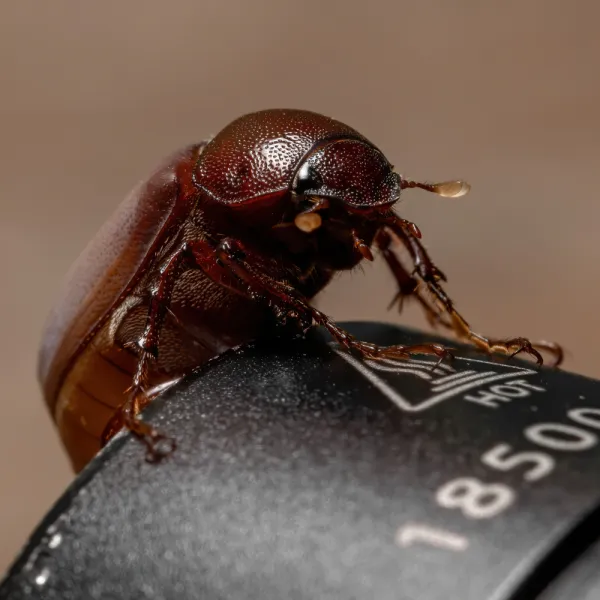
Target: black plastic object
x=304 y=473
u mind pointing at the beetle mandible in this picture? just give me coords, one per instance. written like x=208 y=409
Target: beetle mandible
x=225 y=235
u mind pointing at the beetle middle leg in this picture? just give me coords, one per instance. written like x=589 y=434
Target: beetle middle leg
x=431 y=276
x=231 y=253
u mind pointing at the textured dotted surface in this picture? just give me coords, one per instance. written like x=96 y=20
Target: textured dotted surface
x=356 y=172
x=259 y=153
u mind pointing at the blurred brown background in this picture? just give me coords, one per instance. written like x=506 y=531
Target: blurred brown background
x=507 y=95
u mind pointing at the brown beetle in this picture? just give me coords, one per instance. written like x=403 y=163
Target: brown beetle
x=198 y=259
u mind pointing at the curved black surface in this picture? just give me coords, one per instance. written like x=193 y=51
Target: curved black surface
x=301 y=473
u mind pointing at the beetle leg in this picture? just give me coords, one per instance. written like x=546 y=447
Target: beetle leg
x=158 y=445
x=431 y=276
x=409 y=234
x=408 y=286
x=127 y=415
x=231 y=253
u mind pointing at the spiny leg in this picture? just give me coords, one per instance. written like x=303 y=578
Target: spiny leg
x=286 y=298
x=197 y=254
x=127 y=415
x=158 y=445
x=408 y=285
x=429 y=273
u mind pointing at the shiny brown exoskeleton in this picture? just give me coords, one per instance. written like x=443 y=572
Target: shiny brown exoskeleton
x=225 y=236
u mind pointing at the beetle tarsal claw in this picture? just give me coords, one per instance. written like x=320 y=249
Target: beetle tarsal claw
x=308 y=222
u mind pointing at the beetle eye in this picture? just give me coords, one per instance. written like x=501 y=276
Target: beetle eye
x=307 y=179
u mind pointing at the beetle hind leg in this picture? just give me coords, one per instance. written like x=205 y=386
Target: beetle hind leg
x=158 y=445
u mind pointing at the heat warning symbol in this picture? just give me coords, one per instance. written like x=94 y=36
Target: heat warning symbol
x=429 y=386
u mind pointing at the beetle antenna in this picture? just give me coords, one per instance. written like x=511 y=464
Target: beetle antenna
x=447 y=189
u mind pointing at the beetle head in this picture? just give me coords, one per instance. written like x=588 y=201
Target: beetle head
x=348 y=171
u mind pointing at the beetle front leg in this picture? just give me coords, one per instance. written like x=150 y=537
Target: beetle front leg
x=431 y=276
x=408 y=285
x=283 y=296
